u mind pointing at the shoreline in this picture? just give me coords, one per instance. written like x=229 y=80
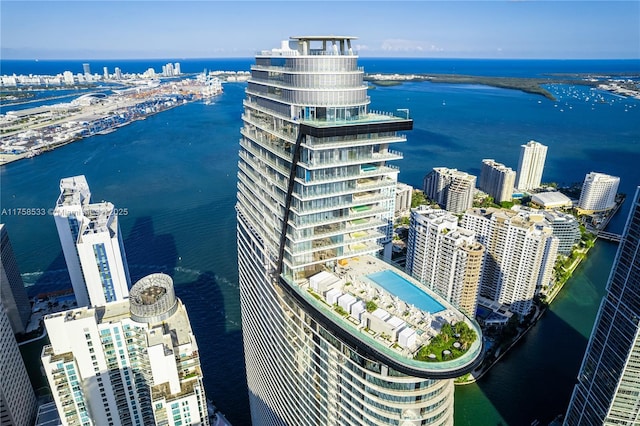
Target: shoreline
x=524 y=84
x=540 y=311
x=582 y=253
x=11 y=158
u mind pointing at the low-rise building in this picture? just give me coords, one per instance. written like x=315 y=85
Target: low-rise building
x=551 y=200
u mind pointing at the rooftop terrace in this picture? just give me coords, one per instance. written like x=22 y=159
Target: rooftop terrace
x=388 y=314
x=74 y=191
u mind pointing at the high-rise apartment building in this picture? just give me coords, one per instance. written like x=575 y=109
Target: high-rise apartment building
x=608 y=388
x=68 y=77
x=566 y=228
x=132 y=362
x=18 y=404
x=519 y=258
x=86 y=69
x=13 y=295
x=531 y=165
x=445 y=257
x=452 y=189
x=331 y=332
x=598 y=192
x=404 y=194
x=92 y=245
x=497 y=180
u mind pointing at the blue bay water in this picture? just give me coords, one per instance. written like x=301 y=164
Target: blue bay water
x=175 y=173
x=484 y=67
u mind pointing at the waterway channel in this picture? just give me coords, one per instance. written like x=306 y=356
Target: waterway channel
x=534 y=381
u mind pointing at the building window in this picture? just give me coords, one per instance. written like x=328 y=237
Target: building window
x=105 y=272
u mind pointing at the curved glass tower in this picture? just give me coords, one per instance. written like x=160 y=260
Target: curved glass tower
x=333 y=334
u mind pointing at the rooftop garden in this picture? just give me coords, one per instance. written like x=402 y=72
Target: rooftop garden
x=451 y=343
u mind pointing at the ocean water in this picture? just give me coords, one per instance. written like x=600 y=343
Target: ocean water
x=175 y=173
x=484 y=67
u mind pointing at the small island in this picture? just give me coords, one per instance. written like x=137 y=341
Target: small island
x=525 y=84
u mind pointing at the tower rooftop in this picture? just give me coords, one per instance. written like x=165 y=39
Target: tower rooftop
x=409 y=315
x=320 y=38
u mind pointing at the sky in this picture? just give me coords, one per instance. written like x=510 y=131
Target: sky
x=90 y=29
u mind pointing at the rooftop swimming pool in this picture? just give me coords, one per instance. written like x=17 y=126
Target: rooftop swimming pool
x=399 y=286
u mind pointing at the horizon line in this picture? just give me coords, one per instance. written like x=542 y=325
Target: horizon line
x=359 y=56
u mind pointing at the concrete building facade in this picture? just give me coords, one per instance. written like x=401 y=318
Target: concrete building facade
x=133 y=362
x=519 y=258
x=445 y=257
x=92 y=245
x=530 y=165
x=566 y=228
x=497 y=180
x=453 y=190
x=404 y=195
x=598 y=192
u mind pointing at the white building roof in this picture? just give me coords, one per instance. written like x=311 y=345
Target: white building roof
x=550 y=199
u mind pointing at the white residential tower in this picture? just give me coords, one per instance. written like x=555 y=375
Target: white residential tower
x=131 y=362
x=530 y=165
x=92 y=245
x=445 y=257
x=598 y=192
x=328 y=336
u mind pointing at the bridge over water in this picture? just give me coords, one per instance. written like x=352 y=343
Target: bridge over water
x=609 y=236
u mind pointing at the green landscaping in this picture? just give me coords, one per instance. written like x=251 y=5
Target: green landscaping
x=446 y=341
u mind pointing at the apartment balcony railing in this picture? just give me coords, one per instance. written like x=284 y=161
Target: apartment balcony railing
x=319 y=144
x=362 y=159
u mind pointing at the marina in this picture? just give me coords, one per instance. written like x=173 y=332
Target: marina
x=29 y=132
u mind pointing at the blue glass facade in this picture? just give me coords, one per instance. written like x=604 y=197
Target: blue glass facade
x=608 y=389
x=105 y=273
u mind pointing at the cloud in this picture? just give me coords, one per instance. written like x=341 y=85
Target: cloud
x=401 y=45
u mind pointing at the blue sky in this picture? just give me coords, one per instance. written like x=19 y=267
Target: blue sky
x=205 y=29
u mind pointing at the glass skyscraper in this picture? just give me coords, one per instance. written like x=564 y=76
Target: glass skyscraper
x=608 y=388
x=332 y=334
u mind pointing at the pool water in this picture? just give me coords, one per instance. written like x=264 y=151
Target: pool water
x=406 y=291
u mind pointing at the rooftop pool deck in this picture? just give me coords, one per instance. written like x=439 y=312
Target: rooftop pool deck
x=402 y=288
x=369 y=278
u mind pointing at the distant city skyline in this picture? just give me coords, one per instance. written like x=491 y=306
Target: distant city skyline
x=210 y=29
